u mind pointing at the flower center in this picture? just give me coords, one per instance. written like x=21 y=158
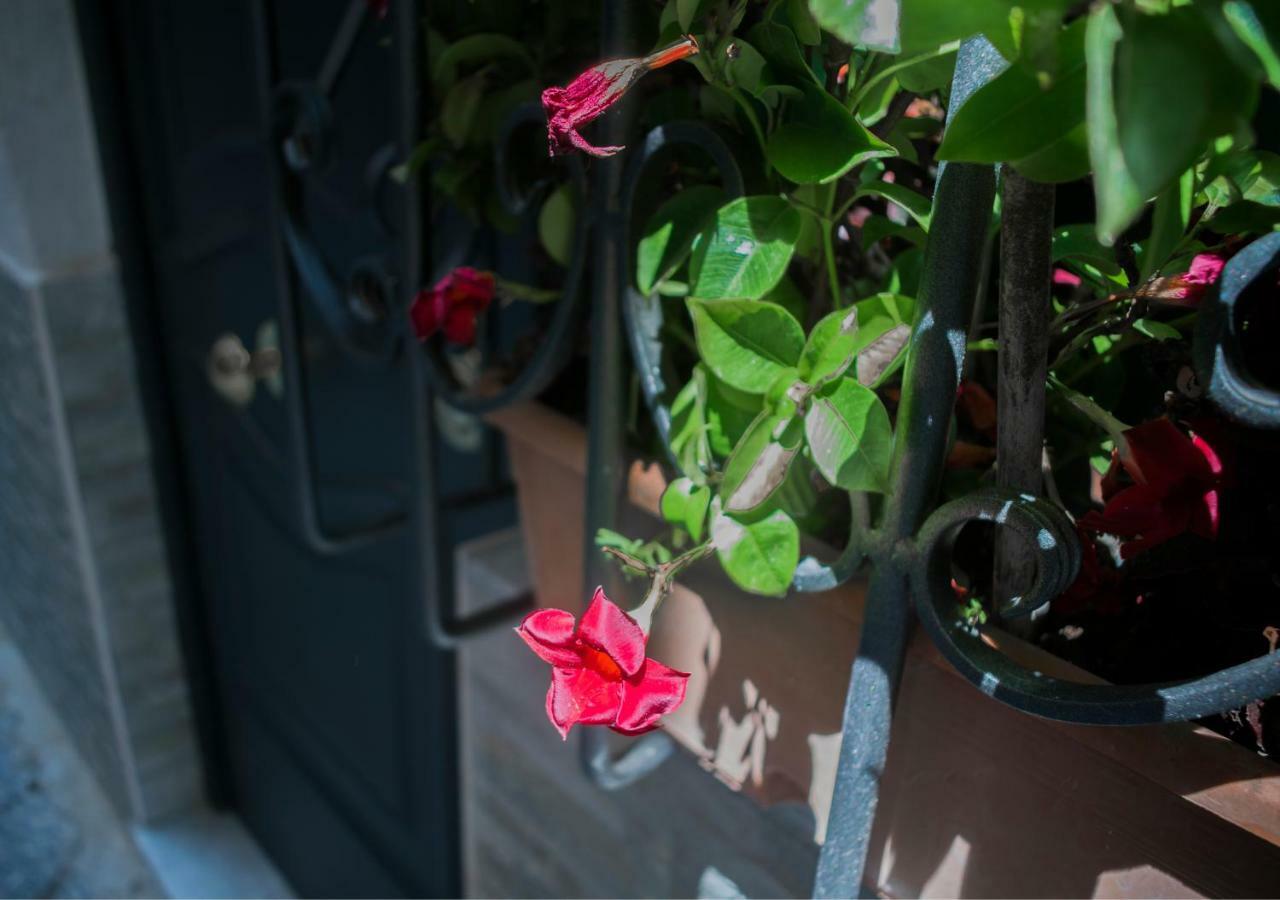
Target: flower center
x=601 y=663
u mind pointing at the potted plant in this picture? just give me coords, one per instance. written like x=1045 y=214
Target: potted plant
x=775 y=262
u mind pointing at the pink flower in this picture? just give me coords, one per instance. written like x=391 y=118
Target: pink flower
x=599 y=672
x=1176 y=480
x=453 y=305
x=1062 y=276
x=1189 y=287
x=594 y=91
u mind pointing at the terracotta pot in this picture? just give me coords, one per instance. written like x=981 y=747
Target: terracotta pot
x=1147 y=811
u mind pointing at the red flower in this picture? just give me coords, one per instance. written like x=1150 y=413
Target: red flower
x=1175 y=490
x=1189 y=287
x=600 y=674
x=594 y=91
x=1096 y=587
x=378 y=7
x=452 y=305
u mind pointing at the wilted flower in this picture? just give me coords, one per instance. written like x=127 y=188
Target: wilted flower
x=594 y=91
x=453 y=305
x=1175 y=487
x=1189 y=287
x=600 y=674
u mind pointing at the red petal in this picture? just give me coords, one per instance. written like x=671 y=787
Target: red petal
x=655 y=692
x=549 y=633
x=460 y=326
x=1159 y=455
x=607 y=628
x=581 y=695
x=426 y=314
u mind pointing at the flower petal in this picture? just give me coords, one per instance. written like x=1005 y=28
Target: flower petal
x=581 y=696
x=460 y=326
x=1158 y=454
x=656 y=691
x=549 y=633
x=607 y=628
x=425 y=314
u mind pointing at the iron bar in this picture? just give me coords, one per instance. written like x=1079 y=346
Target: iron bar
x=1026 y=248
x=952 y=269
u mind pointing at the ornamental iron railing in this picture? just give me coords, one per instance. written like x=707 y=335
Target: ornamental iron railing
x=907 y=552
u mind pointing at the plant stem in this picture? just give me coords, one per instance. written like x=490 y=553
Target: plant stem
x=828 y=247
x=884 y=73
x=661 y=576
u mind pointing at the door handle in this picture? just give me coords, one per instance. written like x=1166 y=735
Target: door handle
x=234 y=371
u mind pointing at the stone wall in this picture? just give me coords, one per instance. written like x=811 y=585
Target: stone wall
x=84 y=585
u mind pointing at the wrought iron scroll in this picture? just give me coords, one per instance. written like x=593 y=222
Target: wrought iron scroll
x=1219 y=362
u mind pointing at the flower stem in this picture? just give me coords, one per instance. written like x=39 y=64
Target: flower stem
x=661 y=577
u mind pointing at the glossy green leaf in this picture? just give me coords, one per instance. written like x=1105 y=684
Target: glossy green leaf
x=1014 y=115
x=777 y=44
x=927 y=24
x=1065 y=159
x=669 y=233
x=556 y=225
x=685 y=503
x=745 y=250
x=749 y=70
x=746 y=343
x=863 y=23
x=1117 y=193
x=759 y=463
x=690 y=433
x=830 y=347
x=759 y=555
x=849 y=436
x=918 y=206
x=819 y=140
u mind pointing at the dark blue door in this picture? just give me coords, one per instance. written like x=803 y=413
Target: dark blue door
x=262 y=132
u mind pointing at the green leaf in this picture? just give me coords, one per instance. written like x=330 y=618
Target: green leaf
x=685 y=504
x=476 y=48
x=1079 y=242
x=555 y=224
x=1144 y=129
x=690 y=433
x=749 y=70
x=759 y=463
x=777 y=44
x=788 y=296
x=872 y=24
x=1258 y=35
x=931 y=73
x=849 y=436
x=918 y=206
x=461 y=104
x=883 y=356
x=1168 y=224
x=1014 y=115
x=686 y=11
x=745 y=250
x=759 y=555
x=819 y=140
x=830 y=348
x=746 y=343
x=669 y=234
x=1118 y=196
x=1160 y=331
x=1066 y=159
x=802 y=22
x=927 y=24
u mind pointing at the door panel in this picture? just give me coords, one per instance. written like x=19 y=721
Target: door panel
x=338 y=715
